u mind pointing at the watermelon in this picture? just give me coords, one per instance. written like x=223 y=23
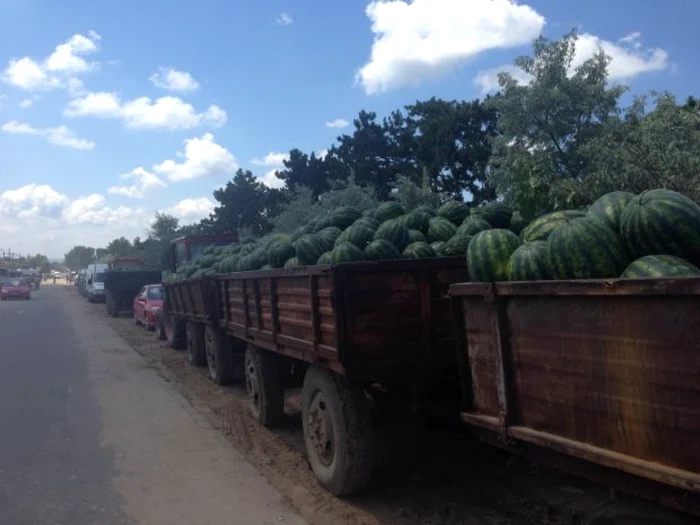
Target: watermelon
x=417 y=220
x=228 y=265
x=655 y=266
x=325 y=259
x=662 y=222
x=322 y=222
x=381 y=250
x=540 y=228
x=292 y=263
x=279 y=252
x=608 y=208
x=529 y=263
x=418 y=250
x=368 y=221
x=416 y=236
x=346 y=252
x=585 y=248
x=344 y=216
x=473 y=225
x=438 y=247
x=267 y=267
x=517 y=222
x=453 y=211
x=456 y=246
x=205 y=261
x=359 y=234
x=426 y=208
x=309 y=248
x=394 y=232
x=496 y=214
x=489 y=253
x=297 y=233
x=329 y=234
x=388 y=210
x=441 y=229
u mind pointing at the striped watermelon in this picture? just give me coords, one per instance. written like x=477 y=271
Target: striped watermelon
x=662 y=222
x=585 y=248
x=426 y=208
x=292 y=263
x=329 y=234
x=453 y=211
x=344 y=216
x=489 y=253
x=495 y=213
x=608 y=208
x=540 y=228
x=388 y=210
x=323 y=222
x=441 y=229
x=370 y=222
x=381 y=250
x=457 y=246
x=416 y=236
x=358 y=234
x=418 y=250
x=438 y=247
x=417 y=220
x=309 y=248
x=395 y=232
x=529 y=263
x=325 y=259
x=473 y=225
x=655 y=266
x=279 y=252
x=346 y=252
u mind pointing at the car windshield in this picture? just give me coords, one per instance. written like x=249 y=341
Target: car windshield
x=15 y=282
x=155 y=293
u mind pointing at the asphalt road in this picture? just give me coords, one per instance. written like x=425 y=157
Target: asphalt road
x=89 y=434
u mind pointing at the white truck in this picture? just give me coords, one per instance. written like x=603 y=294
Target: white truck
x=95 y=282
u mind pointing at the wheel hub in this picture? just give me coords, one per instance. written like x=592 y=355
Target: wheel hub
x=320 y=429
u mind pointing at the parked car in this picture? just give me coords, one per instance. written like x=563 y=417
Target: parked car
x=15 y=288
x=147 y=305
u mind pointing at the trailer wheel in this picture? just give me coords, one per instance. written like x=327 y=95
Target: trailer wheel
x=195 y=344
x=175 y=331
x=109 y=307
x=337 y=431
x=219 y=356
x=263 y=382
x=113 y=308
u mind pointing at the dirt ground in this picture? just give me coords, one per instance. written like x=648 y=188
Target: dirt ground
x=426 y=476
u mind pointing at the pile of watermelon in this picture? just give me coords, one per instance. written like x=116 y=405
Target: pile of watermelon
x=654 y=234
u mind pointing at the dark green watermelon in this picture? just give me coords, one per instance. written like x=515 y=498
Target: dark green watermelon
x=417 y=220
x=529 y=263
x=586 y=248
x=359 y=234
x=473 y=225
x=540 y=228
x=395 y=232
x=441 y=229
x=426 y=208
x=344 y=216
x=453 y=211
x=418 y=250
x=370 y=222
x=323 y=222
x=309 y=248
x=457 y=246
x=495 y=213
x=416 y=236
x=657 y=266
x=346 y=252
x=388 y=210
x=279 y=252
x=662 y=222
x=489 y=253
x=292 y=263
x=329 y=234
x=438 y=247
x=381 y=250
x=517 y=222
x=325 y=259
x=608 y=208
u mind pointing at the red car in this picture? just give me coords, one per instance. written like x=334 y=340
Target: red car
x=15 y=288
x=147 y=305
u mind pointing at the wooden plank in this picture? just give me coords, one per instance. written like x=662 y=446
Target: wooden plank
x=258 y=305
x=315 y=321
x=274 y=311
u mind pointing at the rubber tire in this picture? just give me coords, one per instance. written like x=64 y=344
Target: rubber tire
x=262 y=369
x=219 y=356
x=195 y=344
x=108 y=304
x=113 y=308
x=349 y=412
x=160 y=327
x=175 y=332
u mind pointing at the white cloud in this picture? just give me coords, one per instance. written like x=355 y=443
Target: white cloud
x=192 y=210
x=59 y=136
x=26 y=103
x=488 y=80
x=143 y=182
x=271 y=159
x=32 y=200
x=627 y=60
x=202 y=157
x=271 y=180
x=283 y=19
x=423 y=39
x=92 y=209
x=321 y=154
x=164 y=112
x=58 y=70
x=338 y=123
x=174 y=80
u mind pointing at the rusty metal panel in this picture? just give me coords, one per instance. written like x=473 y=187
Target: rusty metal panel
x=609 y=366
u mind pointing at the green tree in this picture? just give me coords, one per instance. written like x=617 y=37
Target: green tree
x=164 y=227
x=78 y=257
x=312 y=172
x=120 y=247
x=538 y=159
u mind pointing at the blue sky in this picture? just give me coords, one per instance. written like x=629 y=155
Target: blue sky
x=110 y=112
